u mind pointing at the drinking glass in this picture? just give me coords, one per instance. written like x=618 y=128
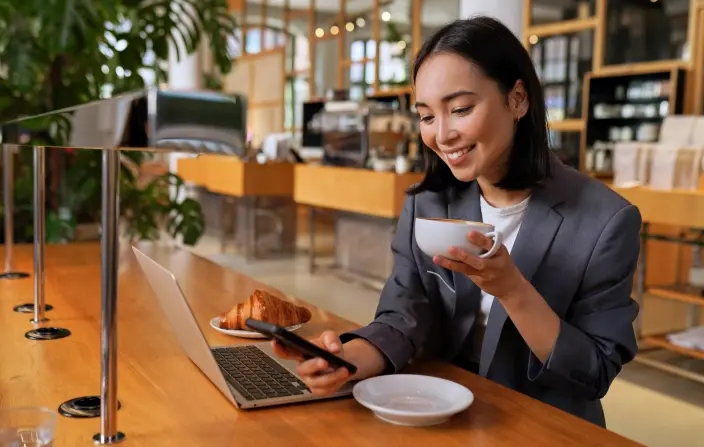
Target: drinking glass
x=27 y=427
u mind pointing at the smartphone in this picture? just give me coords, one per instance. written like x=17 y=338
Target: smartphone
x=292 y=341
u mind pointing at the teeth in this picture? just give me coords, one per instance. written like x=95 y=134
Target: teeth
x=457 y=154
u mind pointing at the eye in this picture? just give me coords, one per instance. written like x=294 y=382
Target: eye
x=461 y=111
x=426 y=118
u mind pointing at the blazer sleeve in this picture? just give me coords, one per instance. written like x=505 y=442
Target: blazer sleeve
x=399 y=327
x=596 y=337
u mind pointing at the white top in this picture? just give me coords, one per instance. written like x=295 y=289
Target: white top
x=508 y=221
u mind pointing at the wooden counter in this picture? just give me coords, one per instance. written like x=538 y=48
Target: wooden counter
x=676 y=208
x=354 y=190
x=243 y=192
x=166 y=401
x=231 y=176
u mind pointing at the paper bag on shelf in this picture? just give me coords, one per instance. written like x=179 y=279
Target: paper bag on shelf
x=627 y=163
x=687 y=168
x=663 y=166
x=675 y=167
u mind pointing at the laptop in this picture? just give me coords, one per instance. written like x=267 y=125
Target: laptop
x=249 y=375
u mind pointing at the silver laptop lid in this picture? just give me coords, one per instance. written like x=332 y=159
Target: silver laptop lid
x=183 y=323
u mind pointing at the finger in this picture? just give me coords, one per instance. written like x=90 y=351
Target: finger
x=449 y=264
x=459 y=267
x=325 y=381
x=480 y=240
x=468 y=258
x=331 y=342
x=311 y=367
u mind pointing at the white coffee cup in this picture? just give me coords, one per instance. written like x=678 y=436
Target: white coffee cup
x=435 y=236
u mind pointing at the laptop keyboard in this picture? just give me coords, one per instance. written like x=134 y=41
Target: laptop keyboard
x=256 y=375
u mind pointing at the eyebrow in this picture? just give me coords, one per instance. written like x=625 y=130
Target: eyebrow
x=450 y=97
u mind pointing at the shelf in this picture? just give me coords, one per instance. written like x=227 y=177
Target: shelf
x=641 y=68
x=564 y=27
x=685 y=294
x=661 y=342
x=623 y=118
x=568 y=125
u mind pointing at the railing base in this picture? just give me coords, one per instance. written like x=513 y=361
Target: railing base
x=28 y=308
x=104 y=440
x=47 y=333
x=82 y=407
x=14 y=275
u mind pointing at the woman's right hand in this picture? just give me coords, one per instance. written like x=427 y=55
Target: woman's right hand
x=316 y=373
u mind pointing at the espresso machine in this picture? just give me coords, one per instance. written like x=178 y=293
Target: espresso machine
x=363 y=135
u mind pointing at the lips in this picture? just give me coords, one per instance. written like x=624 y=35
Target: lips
x=455 y=157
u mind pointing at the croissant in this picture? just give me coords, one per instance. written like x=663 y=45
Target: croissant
x=264 y=307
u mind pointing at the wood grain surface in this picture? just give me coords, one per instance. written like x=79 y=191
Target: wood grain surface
x=166 y=401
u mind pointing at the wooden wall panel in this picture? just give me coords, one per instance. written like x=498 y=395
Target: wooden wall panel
x=240 y=78
x=263 y=121
x=268 y=78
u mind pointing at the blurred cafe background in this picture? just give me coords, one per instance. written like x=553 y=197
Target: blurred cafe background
x=310 y=203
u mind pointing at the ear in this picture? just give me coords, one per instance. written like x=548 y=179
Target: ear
x=518 y=100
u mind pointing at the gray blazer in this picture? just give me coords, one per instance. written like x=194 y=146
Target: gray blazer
x=578 y=245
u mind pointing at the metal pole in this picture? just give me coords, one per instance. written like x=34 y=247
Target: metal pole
x=109 y=257
x=39 y=232
x=9 y=205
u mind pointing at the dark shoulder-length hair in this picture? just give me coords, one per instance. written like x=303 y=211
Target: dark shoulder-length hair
x=492 y=47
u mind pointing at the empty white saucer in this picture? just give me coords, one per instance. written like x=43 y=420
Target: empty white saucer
x=412 y=400
x=243 y=333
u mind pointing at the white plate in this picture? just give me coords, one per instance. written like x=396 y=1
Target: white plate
x=412 y=400
x=241 y=333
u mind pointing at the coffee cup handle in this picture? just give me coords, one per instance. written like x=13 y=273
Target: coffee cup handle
x=498 y=241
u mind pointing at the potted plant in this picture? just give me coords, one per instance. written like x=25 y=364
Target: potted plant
x=59 y=53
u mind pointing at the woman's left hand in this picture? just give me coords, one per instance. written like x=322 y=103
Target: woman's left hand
x=497 y=276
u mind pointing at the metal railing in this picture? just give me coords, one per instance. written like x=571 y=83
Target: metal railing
x=149 y=120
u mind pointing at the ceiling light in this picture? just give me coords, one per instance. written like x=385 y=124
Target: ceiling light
x=334 y=30
x=349 y=27
x=533 y=39
x=319 y=32
x=386 y=16
x=361 y=22
x=401 y=45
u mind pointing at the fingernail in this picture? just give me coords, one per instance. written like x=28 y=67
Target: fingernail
x=335 y=346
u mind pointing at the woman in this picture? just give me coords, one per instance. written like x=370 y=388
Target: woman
x=550 y=314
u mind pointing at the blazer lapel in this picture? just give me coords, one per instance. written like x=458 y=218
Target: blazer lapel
x=538 y=228
x=464 y=206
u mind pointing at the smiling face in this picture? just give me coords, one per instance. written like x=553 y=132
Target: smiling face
x=465 y=118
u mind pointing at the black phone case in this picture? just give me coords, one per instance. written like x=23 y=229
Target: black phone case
x=293 y=341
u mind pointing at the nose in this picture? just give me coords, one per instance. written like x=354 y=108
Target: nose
x=446 y=133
